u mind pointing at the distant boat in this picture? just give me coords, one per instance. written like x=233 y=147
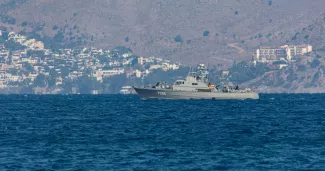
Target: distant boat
x=127 y=90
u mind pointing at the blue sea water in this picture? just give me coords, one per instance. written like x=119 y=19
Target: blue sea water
x=115 y=132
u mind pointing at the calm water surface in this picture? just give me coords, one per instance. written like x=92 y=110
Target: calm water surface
x=113 y=132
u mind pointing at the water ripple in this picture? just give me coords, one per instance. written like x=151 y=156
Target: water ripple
x=113 y=132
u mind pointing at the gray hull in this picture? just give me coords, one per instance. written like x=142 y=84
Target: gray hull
x=172 y=94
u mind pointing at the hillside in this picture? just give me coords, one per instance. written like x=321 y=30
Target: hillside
x=216 y=31
x=304 y=76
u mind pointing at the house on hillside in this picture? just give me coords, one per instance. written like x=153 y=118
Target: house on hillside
x=286 y=52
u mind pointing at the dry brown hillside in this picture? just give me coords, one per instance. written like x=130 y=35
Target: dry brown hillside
x=189 y=31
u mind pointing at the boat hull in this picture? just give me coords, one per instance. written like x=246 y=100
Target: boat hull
x=172 y=94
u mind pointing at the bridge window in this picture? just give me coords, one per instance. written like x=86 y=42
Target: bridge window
x=179 y=82
x=194 y=84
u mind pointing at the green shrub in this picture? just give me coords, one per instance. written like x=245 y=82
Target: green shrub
x=178 y=38
x=315 y=63
x=23 y=24
x=55 y=27
x=206 y=33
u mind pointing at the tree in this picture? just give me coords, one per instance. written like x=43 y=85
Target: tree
x=24 y=23
x=64 y=71
x=178 y=38
x=53 y=74
x=260 y=35
x=29 y=67
x=12 y=45
x=315 y=63
x=206 y=33
x=51 y=81
x=85 y=84
x=40 y=80
x=279 y=62
x=102 y=58
x=9 y=20
x=59 y=37
x=55 y=27
x=241 y=72
x=2 y=40
x=5 y=35
x=67 y=86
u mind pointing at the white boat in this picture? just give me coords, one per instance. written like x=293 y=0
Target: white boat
x=127 y=90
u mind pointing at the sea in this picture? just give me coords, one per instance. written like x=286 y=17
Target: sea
x=124 y=132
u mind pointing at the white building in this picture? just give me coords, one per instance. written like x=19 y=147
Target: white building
x=167 y=66
x=33 y=44
x=141 y=61
x=32 y=76
x=59 y=81
x=138 y=73
x=100 y=74
x=152 y=67
x=283 y=53
x=125 y=55
x=112 y=72
x=16 y=37
x=9 y=77
x=299 y=50
x=32 y=61
x=74 y=75
x=4 y=53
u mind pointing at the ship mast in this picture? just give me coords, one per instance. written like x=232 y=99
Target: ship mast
x=202 y=73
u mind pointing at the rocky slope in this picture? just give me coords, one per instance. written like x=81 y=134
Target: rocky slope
x=304 y=76
x=216 y=31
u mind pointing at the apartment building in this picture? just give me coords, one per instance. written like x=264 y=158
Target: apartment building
x=282 y=53
x=298 y=50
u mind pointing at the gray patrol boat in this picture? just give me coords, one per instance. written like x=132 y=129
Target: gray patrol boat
x=194 y=86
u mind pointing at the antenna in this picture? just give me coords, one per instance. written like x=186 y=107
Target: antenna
x=189 y=71
x=208 y=73
x=237 y=79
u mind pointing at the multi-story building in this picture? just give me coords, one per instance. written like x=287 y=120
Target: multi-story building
x=272 y=54
x=299 y=50
x=141 y=61
x=4 y=53
x=108 y=73
x=283 y=53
